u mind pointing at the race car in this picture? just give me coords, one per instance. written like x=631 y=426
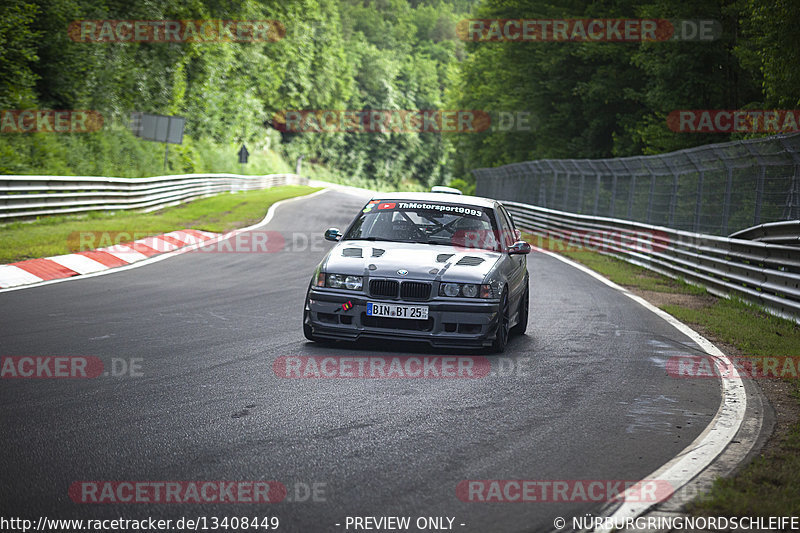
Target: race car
x=446 y=269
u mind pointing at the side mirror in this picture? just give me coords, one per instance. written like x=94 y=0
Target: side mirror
x=519 y=247
x=333 y=234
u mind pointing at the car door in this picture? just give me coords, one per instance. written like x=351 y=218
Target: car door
x=517 y=264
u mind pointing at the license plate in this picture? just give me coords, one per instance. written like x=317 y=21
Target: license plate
x=413 y=312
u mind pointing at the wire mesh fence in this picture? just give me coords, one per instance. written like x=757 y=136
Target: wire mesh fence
x=716 y=189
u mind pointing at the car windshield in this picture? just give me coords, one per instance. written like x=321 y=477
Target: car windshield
x=426 y=222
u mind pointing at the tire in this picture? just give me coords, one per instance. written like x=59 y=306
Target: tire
x=502 y=332
x=522 y=322
x=307 y=331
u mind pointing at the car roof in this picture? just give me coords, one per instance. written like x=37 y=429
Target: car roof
x=444 y=198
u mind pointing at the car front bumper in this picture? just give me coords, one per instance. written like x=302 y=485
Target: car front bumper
x=455 y=322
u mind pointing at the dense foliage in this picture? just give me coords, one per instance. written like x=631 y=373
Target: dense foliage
x=390 y=54
x=608 y=99
x=583 y=99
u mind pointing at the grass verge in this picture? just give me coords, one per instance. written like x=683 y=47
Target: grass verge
x=62 y=235
x=770 y=485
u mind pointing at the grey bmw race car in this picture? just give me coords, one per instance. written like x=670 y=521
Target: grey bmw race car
x=443 y=268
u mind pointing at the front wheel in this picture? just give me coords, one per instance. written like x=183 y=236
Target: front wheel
x=522 y=315
x=501 y=334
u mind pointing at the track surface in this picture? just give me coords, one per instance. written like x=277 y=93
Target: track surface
x=591 y=400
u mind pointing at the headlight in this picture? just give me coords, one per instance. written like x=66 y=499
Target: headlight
x=470 y=291
x=341 y=281
x=466 y=290
x=353 y=282
x=450 y=289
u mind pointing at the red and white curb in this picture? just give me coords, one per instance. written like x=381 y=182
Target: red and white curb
x=90 y=262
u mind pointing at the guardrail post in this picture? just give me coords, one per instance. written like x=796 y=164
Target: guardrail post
x=673 y=199
x=792 y=209
x=542 y=192
x=530 y=182
x=762 y=174
x=596 y=187
x=613 y=174
x=631 y=189
x=567 y=179
x=699 y=194
x=580 y=187
x=726 y=203
x=554 y=188
x=652 y=191
x=613 y=205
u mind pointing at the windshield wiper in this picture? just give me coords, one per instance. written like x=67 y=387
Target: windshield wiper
x=438 y=243
x=371 y=239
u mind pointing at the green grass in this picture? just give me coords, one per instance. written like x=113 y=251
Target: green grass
x=618 y=271
x=61 y=235
x=766 y=487
x=770 y=485
x=745 y=326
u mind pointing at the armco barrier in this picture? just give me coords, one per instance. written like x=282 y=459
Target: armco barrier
x=716 y=189
x=24 y=197
x=760 y=272
x=787 y=232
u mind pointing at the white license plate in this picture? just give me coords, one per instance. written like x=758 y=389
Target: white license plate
x=413 y=312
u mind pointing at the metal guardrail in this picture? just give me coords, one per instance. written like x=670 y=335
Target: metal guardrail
x=759 y=272
x=774 y=232
x=715 y=189
x=23 y=197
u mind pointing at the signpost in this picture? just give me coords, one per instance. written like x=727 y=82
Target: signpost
x=243 y=154
x=159 y=128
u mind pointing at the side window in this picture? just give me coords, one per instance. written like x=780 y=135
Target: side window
x=506 y=233
x=509 y=234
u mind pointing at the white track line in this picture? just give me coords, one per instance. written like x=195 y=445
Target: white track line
x=79 y=263
x=14 y=276
x=156 y=258
x=718 y=433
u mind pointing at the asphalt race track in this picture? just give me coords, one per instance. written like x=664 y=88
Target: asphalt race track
x=583 y=396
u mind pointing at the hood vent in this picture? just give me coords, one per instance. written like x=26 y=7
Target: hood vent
x=442 y=258
x=377 y=252
x=470 y=260
x=351 y=252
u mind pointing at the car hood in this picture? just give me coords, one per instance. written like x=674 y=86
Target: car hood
x=422 y=261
